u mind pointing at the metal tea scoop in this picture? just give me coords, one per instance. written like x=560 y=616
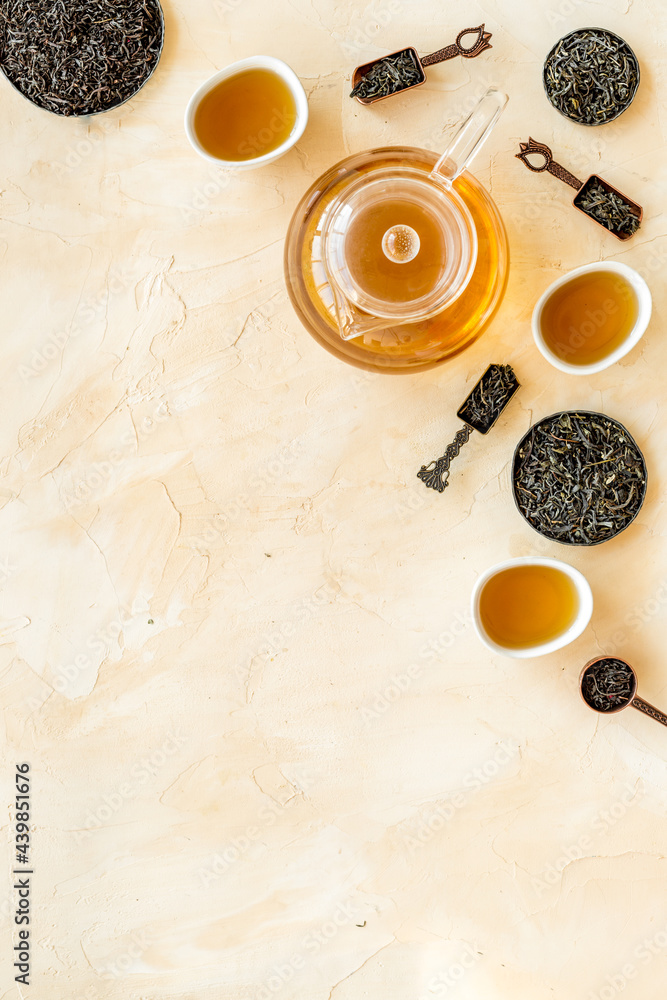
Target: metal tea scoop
x=597 y=199
x=373 y=81
x=609 y=685
x=479 y=413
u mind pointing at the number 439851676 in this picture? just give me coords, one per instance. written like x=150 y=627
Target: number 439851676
x=22 y=812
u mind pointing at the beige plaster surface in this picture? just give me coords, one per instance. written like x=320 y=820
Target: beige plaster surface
x=269 y=756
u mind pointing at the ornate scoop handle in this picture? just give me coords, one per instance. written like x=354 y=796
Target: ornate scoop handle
x=654 y=713
x=435 y=475
x=539 y=149
x=479 y=45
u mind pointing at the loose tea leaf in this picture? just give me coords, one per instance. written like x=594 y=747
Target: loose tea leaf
x=591 y=76
x=389 y=76
x=579 y=478
x=608 y=684
x=608 y=208
x=76 y=58
x=489 y=397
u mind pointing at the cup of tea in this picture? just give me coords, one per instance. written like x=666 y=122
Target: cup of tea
x=591 y=317
x=248 y=114
x=530 y=606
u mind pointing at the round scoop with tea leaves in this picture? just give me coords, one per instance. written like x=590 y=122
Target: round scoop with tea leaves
x=578 y=477
x=608 y=685
x=80 y=58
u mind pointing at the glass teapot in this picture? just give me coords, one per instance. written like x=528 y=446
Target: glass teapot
x=396 y=260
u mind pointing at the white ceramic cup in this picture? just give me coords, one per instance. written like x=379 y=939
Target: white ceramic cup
x=582 y=618
x=254 y=62
x=644 y=303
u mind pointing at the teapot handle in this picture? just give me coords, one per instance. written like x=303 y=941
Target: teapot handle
x=470 y=135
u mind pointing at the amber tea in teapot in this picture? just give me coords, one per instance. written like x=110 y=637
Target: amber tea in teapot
x=397 y=260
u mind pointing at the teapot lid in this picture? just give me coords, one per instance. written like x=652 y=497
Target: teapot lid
x=398 y=245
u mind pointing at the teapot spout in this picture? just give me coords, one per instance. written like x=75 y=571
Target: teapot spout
x=352 y=322
x=470 y=136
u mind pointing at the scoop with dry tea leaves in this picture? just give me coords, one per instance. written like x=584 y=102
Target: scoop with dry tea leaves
x=404 y=69
x=479 y=412
x=595 y=197
x=609 y=685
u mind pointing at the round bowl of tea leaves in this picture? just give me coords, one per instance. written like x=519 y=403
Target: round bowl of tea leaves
x=78 y=58
x=591 y=76
x=578 y=477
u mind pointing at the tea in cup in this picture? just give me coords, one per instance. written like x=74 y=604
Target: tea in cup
x=529 y=607
x=591 y=317
x=247 y=114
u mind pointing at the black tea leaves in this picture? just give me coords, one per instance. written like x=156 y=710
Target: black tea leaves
x=591 y=76
x=608 y=684
x=489 y=398
x=608 y=208
x=74 y=58
x=579 y=478
x=389 y=76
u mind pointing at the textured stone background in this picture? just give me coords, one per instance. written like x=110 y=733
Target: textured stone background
x=270 y=758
